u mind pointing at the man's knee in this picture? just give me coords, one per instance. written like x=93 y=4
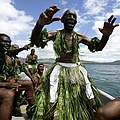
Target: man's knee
x=9 y=95
x=100 y=115
x=100 y=111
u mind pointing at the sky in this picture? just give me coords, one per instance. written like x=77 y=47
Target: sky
x=18 y=18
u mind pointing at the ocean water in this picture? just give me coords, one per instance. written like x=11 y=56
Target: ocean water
x=106 y=77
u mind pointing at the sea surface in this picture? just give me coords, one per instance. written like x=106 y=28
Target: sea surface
x=106 y=77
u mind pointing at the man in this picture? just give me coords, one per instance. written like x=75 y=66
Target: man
x=39 y=75
x=31 y=59
x=7 y=90
x=9 y=69
x=70 y=86
x=14 y=49
x=39 y=93
x=26 y=85
x=110 y=111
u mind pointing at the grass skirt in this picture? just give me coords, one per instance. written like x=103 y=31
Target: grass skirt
x=72 y=102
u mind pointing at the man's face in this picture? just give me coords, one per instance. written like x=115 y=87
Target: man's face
x=15 y=47
x=5 y=43
x=32 y=51
x=41 y=68
x=70 y=20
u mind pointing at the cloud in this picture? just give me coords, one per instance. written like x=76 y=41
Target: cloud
x=115 y=12
x=64 y=2
x=111 y=52
x=81 y=20
x=94 y=6
x=13 y=21
x=47 y=52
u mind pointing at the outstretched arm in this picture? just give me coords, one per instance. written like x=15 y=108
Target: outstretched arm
x=95 y=44
x=16 y=51
x=106 y=31
x=9 y=85
x=44 y=19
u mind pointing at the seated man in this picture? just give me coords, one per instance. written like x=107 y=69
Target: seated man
x=110 y=111
x=9 y=68
x=6 y=95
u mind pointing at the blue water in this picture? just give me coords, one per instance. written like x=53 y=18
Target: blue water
x=106 y=77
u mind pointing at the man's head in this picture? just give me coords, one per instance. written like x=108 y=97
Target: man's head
x=5 y=42
x=13 y=50
x=40 y=68
x=14 y=47
x=32 y=51
x=69 y=19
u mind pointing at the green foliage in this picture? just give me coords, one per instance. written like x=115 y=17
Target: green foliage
x=60 y=45
x=93 y=46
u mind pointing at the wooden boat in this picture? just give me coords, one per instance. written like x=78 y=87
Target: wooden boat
x=105 y=98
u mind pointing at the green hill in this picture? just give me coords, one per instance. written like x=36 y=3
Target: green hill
x=50 y=60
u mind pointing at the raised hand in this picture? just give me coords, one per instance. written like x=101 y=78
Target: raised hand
x=47 y=16
x=26 y=47
x=108 y=26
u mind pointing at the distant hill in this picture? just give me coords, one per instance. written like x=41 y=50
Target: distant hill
x=115 y=62
x=110 y=63
x=50 y=60
x=46 y=61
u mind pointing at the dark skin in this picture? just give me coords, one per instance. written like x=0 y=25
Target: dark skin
x=16 y=49
x=6 y=95
x=34 y=57
x=40 y=69
x=12 y=86
x=110 y=111
x=46 y=18
x=24 y=84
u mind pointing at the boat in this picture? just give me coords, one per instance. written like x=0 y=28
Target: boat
x=105 y=98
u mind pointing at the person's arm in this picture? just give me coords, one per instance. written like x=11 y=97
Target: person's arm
x=45 y=18
x=27 y=58
x=10 y=85
x=95 y=44
x=26 y=47
x=106 y=31
x=16 y=51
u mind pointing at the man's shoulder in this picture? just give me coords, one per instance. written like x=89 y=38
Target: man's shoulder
x=28 y=55
x=79 y=34
x=82 y=36
x=52 y=33
x=35 y=55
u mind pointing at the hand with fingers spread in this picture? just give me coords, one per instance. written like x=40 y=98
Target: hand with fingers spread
x=47 y=16
x=108 y=26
